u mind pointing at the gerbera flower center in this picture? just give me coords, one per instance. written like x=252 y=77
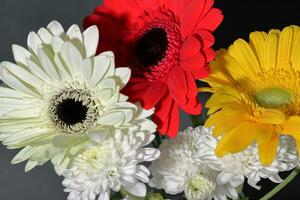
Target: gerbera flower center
x=151 y=47
x=274 y=97
x=73 y=111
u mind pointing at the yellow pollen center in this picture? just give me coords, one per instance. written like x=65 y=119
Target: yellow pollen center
x=274 y=97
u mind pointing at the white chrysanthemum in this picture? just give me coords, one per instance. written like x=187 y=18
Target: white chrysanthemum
x=247 y=163
x=112 y=164
x=187 y=164
x=59 y=95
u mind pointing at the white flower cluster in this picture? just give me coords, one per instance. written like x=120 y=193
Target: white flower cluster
x=188 y=164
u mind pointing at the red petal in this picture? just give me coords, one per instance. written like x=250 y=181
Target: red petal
x=135 y=88
x=192 y=15
x=121 y=7
x=194 y=63
x=148 y=94
x=191 y=85
x=206 y=37
x=166 y=117
x=152 y=95
x=211 y=21
x=177 y=85
x=192 y=107
x=190 y=47
x=209 y=54
x=204 y=72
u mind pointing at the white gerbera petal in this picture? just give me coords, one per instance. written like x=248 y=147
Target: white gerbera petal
x=90 y=40
x=34 y=42
x=124 y=74
x=45 y=35
x=63 y=99
x=55 y=28
x=20 y=54
x=112 y=164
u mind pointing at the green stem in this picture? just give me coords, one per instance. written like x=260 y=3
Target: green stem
x=286 y=181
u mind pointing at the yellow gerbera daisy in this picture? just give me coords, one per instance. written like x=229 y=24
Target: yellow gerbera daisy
x=256 y=92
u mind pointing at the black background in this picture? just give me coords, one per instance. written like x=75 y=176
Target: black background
x=19 y=17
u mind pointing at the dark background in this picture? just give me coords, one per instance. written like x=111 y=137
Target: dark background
x=19 y=17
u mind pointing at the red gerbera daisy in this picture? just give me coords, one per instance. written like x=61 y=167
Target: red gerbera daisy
x=167 y=44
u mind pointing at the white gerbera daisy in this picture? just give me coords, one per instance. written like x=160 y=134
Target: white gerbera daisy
x=113 y=164
x=59 y=95
x=186 y=164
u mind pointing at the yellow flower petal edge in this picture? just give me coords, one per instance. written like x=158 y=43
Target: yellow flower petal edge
x=256 y=92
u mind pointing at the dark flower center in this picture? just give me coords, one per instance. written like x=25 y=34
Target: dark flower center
x=74 y=111
x=151 y=47
x=71 y=112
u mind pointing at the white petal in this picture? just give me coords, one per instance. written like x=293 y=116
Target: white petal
x=20 y=54
x=90 y=40
x=104 y=195
x=112 y=119
x=138 y=189
x=63 y=69
x=30 y=165
x=15 y=83
x=87 y=69
x=48 y=64
x=66 y=140
x=55 y=28
x=57 y=44
x=38 y=71
x=100 y=135
x=23 y=155
x=45 y=35
x=100 y=69
x=75 y=33
x=25 y=136
x=24 y=75
x=10 y=93
x=34 y=42
x=124 y=74
x=149 y=154
x=72 y=57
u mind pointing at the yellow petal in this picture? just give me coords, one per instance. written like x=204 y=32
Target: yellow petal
x=267 y=151
x=270 y=55
x=264 y=134
x=271 y=116
x=246 y=58
x=236 y=139
x=257 y=41
x=292 y=126
x=227 y=124
x=284 y=46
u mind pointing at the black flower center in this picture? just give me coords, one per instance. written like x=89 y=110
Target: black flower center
x=71 y=112
x=151 y=47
